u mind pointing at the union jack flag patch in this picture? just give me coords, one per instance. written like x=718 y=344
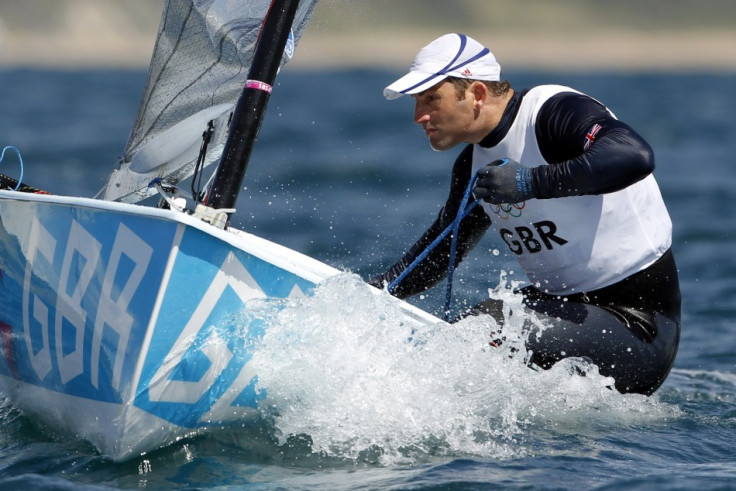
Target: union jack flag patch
x=590 y=135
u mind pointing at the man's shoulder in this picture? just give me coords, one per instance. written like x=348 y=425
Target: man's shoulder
x=463 y=161
x=464 y=158
x=550 y=90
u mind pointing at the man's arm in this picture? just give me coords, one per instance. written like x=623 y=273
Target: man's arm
x=591 y=151
x=435 y=266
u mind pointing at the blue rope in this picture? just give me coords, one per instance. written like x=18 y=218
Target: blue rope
x=20 y=159
x=463 y=211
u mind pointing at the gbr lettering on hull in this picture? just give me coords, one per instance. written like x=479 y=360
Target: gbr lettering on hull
x=87 y=307
x=81 y=258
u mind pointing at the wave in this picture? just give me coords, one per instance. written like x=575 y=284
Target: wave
x=341 y=369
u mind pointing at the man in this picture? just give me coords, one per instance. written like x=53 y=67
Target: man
x=570 y=190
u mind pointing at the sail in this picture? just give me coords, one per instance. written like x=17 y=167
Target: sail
x=200 y=62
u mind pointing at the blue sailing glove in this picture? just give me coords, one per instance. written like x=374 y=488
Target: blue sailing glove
x=504 y=181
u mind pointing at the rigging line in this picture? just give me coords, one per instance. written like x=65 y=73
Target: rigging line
x=199 y=166
x=463 y=211
x=20 y=160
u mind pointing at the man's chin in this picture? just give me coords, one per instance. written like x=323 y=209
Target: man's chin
x=440 y=146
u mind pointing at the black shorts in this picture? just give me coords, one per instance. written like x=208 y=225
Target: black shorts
x=629 y=330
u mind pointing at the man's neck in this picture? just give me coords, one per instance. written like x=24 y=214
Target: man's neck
x=498 y=106
x=506 y=118
x=491 y=114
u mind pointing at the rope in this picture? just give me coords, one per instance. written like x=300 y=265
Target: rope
x=20 y=159
x=199 y=167
x=462 y=212
x=453 y=244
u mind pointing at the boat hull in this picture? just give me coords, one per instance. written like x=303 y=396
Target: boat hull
x=132 y=326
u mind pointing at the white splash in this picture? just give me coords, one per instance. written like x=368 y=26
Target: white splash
x=346 y=368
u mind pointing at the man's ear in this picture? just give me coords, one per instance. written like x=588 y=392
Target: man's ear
x=479 y=91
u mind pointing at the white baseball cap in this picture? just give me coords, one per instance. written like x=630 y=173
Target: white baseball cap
x=451 y=55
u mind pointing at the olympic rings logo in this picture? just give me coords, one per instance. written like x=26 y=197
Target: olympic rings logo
x=508 y=210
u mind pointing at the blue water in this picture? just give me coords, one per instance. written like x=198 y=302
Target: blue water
x=344 y=176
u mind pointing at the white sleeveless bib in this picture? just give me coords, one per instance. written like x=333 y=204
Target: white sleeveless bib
x=579 y=243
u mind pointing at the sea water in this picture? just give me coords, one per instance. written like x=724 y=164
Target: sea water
x=354 y=398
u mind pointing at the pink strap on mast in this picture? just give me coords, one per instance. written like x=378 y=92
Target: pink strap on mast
x=258 y=85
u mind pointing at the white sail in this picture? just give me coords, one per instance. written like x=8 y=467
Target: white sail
x=201 y=60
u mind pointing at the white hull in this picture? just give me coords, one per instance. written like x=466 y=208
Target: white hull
x=130 y=326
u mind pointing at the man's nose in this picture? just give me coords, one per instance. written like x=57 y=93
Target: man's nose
x=420 y=116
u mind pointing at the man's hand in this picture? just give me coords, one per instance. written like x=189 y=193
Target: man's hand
x=504 y=181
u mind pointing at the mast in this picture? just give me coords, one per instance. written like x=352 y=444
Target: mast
x=251 y=106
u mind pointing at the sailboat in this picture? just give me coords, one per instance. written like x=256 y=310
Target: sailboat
x=132 y=325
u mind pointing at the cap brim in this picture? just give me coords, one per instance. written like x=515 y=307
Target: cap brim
x=412 y=83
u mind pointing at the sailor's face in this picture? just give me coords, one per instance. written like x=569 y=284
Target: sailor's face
x=446 y=120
